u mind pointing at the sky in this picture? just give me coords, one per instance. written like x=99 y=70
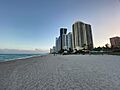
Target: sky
x=34 y=24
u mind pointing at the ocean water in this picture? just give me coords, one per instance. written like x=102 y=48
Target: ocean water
x=8 y=57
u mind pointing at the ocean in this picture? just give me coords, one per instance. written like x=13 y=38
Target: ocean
x=9 y=57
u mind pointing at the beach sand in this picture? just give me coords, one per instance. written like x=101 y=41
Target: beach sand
x=75 y=72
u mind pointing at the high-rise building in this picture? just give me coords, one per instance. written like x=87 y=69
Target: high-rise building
x=64 y=41
x=63 y=31
x=115 y=41
x=82 y=36
x=69 y=40
x=89 y=37
x=58 y=44
x=53 y=50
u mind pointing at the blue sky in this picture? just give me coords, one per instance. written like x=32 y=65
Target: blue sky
x=34 y=24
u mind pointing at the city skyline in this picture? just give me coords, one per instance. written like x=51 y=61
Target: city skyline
x=80 y=38
x=33 y=25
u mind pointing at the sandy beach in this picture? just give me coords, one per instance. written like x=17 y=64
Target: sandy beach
x=75 y=72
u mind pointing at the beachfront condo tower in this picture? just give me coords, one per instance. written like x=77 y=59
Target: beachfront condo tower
x=69 y=40
x=58 y=44
x=64 y=41
x=82 y=36
x=63 y=32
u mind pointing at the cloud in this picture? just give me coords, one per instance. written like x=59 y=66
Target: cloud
x=18 y=51
x=42 y=50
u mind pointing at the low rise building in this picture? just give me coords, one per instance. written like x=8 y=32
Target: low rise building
x=115 y=42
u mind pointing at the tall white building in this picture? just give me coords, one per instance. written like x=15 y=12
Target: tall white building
x=69 y=40
x=58 y=44
x=64 y=41
x=81 y=36
x=53 y=50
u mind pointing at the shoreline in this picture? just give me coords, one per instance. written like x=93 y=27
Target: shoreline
x=22 y=58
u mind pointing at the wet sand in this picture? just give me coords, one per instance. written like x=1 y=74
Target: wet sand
x=75 y=72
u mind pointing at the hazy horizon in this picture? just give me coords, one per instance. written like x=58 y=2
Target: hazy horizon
x=34 y=24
